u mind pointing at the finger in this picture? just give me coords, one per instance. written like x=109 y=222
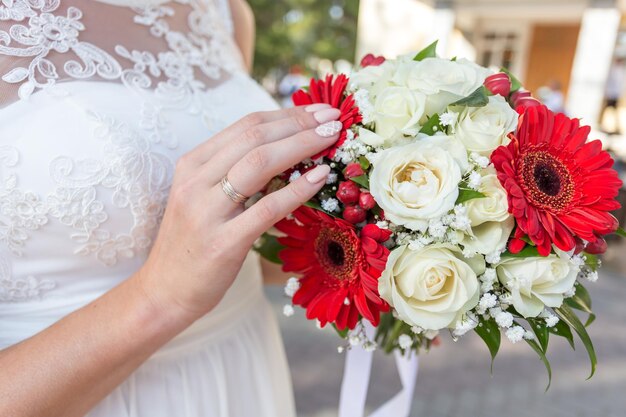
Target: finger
x=250 y=224
x=203 y=152
x=261 y=164
x=281 y=141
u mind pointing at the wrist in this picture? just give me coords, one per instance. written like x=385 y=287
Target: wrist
x=159 y=306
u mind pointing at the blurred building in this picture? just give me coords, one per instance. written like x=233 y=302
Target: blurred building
x=572 y=42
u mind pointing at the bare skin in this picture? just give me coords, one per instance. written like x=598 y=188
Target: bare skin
x=65 y=370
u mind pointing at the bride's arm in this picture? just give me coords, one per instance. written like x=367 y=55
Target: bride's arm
x=243 y=20
x=203 y=239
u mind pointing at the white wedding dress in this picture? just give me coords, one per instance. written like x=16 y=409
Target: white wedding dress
x=97 y=102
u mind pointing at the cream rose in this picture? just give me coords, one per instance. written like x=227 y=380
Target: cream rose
x=397 y=112
x=483 y=129
x=443 y=81
x=375 y=78
x=494 y=206
x=537 y=282
x=488 y=237
x=431 y=287
x=416 y=182
x=491 y=223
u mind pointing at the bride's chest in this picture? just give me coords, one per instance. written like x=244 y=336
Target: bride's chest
x=84 y=178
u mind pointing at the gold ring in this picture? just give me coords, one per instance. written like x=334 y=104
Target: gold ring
x=231 y=193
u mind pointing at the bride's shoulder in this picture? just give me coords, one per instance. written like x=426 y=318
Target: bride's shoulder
x=244 y=29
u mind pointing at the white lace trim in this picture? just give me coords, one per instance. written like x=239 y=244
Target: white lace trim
x=138 y=177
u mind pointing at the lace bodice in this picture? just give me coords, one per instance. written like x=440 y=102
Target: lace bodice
x=97 y=102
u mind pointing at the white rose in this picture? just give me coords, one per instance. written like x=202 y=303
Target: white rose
x=537 y=282
x=494 y=206
x=374 y=78
x=489 y=217
x=488 y=237
x=397 y=111
x=431 y=287
x=441 y=80
x=416 y=182
x=483 y=129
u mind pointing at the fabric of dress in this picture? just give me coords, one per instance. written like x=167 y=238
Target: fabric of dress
x=97 y=102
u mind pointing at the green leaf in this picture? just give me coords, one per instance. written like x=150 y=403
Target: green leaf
x=431 y=126
x=342 y=333
x=581 y=300
x=429 y=52
x=478 y=98
x=396 y=331
x=269 y=248
x=620 y=232
x=527 y=252
x=466 y=194
x=592 y=261
x=541 y=331
x=362 y=180
x=543 y=358
x=489 y=331
x=515 y=83
x=364 y=162
x=563 y=330
x=566 y=314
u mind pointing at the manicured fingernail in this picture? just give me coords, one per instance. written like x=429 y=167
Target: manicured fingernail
x=329 y=129
x=317 y=106
x=323 y=116
x=318 y=174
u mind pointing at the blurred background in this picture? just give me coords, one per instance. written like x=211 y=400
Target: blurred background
x=572 y=55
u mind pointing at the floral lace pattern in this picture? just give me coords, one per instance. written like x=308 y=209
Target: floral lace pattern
x=129 y=169
x=139 y=178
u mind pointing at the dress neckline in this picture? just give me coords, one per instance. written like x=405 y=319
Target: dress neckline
x=134 y=3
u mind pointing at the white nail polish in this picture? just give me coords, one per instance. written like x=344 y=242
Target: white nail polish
x=329 y=129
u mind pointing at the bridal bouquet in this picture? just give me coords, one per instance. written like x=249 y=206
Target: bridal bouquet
x=456 y=202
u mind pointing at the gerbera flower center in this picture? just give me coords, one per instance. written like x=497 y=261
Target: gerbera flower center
x=336 y=253
x=547 y=181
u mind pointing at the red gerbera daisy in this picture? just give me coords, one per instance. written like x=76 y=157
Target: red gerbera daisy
x=559 y=187
x=331 y=91
x=340 y=270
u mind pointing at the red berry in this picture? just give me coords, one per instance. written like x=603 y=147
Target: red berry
x=371 y=59
x=366 y=201
x=353 y=170
x=354 y=214
x=348 y=192
x=596 y=248
x=499 y=83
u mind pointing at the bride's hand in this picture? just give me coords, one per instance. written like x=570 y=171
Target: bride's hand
x=205 y=236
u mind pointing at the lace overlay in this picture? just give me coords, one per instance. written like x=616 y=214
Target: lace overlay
x=169 y=57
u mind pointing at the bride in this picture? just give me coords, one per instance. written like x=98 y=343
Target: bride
x=126 y=284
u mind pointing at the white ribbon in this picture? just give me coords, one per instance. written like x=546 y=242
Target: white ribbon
x=356 y=379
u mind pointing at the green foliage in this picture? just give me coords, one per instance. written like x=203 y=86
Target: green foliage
x=361 y=180
x=563 y=330
x=466 y=194
x=269 y=248
x=364 y=162
x=581 y=300
x=566 y=314
x=429 y=52
x=620 y=232
x=490 y=333
x=527 y=252
x=479 y=98
x=515 y=83
x=431 y=126
x=289 y=32
x=542 y=355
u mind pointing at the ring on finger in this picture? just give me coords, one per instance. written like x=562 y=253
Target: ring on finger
x=235 y=196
